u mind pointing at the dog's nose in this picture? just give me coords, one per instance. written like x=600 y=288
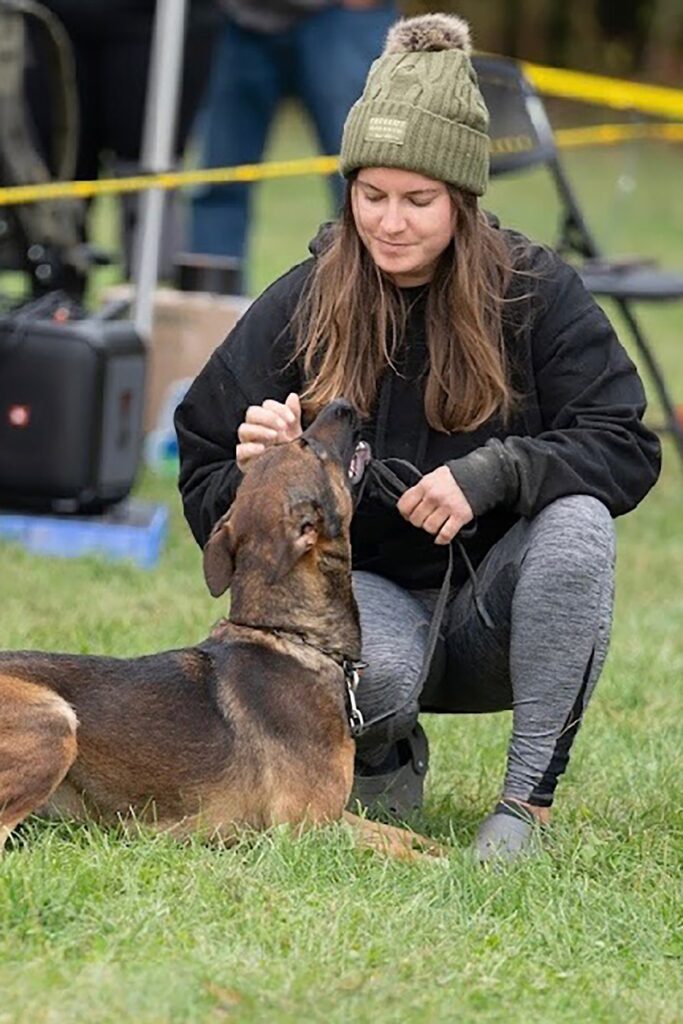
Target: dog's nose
x=341 y=408
x=335 y=426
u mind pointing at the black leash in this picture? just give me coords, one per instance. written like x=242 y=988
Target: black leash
x=390 y=484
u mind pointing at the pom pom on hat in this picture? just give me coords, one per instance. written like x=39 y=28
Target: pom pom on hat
x=421 y=108
x=429 y=32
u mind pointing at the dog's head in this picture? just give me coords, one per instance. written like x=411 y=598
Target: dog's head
x=295 y=502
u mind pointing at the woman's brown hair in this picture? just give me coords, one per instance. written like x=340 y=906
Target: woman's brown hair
x=351 y=317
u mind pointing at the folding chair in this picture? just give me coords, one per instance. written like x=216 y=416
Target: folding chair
x=522 y=138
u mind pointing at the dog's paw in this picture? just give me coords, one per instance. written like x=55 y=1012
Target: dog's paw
x=395 y=842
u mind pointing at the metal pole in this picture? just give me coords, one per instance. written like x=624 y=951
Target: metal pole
x=163 y=88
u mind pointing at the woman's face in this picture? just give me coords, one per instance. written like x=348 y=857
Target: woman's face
x=405 y=221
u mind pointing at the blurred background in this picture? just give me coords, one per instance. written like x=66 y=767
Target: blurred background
x=637 y=39
x=634 y=38
x=641 y=40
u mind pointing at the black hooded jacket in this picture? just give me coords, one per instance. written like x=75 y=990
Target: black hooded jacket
x=577 y=428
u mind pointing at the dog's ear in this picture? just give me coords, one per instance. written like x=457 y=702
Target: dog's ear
x=300 y=536
x=218 y=557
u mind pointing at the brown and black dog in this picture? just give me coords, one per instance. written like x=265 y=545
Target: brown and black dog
x=249 y=728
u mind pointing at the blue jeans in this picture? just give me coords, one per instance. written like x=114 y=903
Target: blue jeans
x=323 y=60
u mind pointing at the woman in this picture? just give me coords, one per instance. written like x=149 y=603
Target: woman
x=479 y=358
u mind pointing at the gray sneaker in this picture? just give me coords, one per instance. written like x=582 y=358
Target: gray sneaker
x=397 y=793
x=510 y=832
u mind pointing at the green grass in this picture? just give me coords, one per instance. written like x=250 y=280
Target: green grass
x=95 y=927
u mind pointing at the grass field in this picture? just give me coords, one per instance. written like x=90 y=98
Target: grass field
x=97 y=928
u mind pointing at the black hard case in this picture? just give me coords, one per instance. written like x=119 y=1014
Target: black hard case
x=71 y=404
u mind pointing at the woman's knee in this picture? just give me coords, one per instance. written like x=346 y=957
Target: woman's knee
x=394 y=627
x=577 y=530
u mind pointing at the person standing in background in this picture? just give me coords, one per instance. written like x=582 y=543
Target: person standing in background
x=316 y=50
x=111 y=42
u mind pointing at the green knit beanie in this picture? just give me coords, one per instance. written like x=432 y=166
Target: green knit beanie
x=421 y=109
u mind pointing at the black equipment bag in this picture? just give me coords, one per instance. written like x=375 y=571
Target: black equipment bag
x=71 y=403
x=44 y=239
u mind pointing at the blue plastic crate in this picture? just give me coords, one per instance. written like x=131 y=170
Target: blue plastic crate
x=133 y=530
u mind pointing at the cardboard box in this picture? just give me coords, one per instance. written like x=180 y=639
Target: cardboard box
x=186 y=328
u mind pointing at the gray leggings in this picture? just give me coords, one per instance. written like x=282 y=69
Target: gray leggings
x=548 y=586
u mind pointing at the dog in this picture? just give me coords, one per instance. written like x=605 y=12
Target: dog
x=244 y=731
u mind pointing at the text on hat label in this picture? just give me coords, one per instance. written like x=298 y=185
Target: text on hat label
x=386 y=129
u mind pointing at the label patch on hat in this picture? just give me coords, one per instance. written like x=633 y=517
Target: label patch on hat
x=386 y=129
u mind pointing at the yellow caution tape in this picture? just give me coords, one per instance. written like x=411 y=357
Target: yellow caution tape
x=602 y=134
x=608 y=134
x=17 y=194
x=610 y=92
x=550 y=81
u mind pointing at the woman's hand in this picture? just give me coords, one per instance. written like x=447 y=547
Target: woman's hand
x=265 y=425
x=436 y=504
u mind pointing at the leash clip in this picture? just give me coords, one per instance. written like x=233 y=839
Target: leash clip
x=352 y=670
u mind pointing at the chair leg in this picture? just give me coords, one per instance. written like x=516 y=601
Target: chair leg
x=673 y=423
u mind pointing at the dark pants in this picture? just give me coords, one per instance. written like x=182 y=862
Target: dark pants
x=547 y=587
